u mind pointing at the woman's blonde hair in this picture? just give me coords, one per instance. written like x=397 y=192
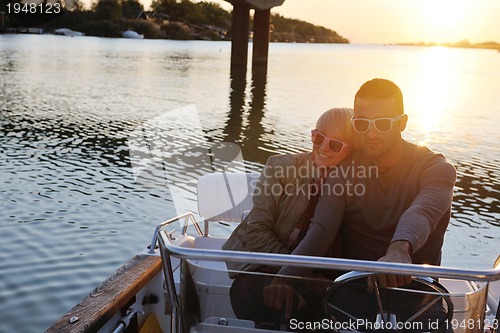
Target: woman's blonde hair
x=340 y=120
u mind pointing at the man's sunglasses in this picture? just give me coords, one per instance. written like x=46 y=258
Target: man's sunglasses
x=334 y=145
x=384 y=125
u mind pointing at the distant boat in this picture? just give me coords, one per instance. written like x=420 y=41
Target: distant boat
x=132 y=34
x=68 y=32
x=36 y=31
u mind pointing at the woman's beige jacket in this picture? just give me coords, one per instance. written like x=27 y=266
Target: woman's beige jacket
x=280 y=198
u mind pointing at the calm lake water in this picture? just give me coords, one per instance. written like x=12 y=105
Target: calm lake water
x=71 y=209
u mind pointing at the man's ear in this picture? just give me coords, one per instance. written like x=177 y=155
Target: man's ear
x=402 y=122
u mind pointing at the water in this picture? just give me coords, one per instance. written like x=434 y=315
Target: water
x=71 y=209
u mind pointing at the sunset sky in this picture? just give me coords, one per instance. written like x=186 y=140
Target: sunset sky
x=396 y=21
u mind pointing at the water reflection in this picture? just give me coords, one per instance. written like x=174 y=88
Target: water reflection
x=435 y=81
x=88 y=140
x=477 y=196
x=234 y=123
x=66 y=117
x=247 y=132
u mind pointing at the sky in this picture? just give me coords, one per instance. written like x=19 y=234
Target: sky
x=399 y=21
x=396 y=21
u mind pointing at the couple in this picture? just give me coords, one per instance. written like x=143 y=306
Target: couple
x=399 y=212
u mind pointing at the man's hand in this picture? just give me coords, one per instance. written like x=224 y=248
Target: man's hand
x=398 y=251
x=279 y=293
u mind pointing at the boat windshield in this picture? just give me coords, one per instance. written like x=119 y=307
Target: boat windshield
x=326 y=301
x=244 y=292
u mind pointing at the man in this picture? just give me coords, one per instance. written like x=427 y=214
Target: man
x=399 y=212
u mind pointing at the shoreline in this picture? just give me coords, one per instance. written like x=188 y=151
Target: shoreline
x=460 y=45
x=483 y=46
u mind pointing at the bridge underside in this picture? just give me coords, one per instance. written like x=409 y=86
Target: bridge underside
x=258 y=4
x=261 y=30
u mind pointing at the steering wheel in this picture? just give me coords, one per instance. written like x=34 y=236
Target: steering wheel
x=423 y=305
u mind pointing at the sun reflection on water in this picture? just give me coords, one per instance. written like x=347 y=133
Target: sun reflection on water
x=436 y=80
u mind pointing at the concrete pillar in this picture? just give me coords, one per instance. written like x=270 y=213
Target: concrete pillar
x=261 y=31
x=239 y=35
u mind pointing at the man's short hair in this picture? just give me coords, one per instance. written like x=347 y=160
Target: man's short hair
x=381 y=89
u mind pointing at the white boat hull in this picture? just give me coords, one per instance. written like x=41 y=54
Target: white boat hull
x=132 y=34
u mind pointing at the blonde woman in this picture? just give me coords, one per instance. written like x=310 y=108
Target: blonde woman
x=284 y=200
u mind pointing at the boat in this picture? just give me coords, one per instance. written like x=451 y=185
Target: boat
x=180 y=283
x=68 y=32
x=132 y=34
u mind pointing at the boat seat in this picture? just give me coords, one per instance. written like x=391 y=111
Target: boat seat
x=222 y=197
x=213 y=328
x=211 y=276
x=225 y=196
x=495 y=291
x=458 y=290
x=209 y=243
x=230 y=325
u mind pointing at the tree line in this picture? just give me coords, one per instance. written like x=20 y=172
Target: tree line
x=168 y=19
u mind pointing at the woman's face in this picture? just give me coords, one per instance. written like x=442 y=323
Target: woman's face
x=329 y=149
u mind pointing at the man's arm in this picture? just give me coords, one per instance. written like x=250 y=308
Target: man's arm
x=420 y=219
x=434 y=199
x=398 y=251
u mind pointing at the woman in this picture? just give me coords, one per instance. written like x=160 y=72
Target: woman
x=283 y=203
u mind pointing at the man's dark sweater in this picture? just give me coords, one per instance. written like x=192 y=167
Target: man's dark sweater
x=411 y=201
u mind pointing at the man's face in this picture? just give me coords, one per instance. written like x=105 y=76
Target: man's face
x=374 y=142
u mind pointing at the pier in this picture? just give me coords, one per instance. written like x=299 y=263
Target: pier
x=261 y=30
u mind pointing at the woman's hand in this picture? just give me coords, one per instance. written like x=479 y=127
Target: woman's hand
x=279 y=293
